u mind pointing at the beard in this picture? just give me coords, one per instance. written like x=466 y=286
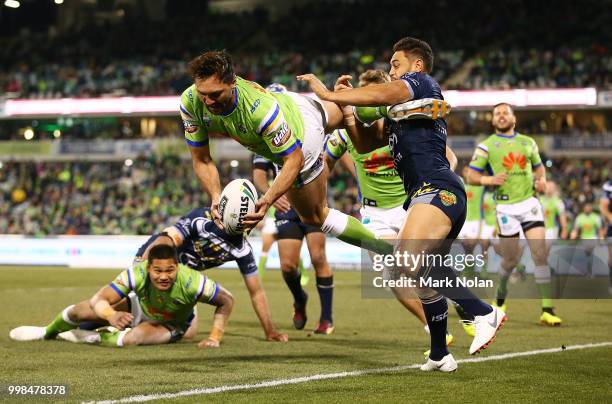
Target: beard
x=503 y=128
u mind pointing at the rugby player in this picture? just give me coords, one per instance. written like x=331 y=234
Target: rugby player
x=554 y=212
x=150 y=303
x=381 y=189
x=290 y=235
x=285 y=128
x=470 y=232
x=588 y=226
x=436 y=197
x=606 y=211
x=514 y=161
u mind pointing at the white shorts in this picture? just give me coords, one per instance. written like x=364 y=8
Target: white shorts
x=552 y=233
x=512 y=217
x=269 y=226
x=315 y=119
x=470 y=230
x=487 y=232
x=383 y=222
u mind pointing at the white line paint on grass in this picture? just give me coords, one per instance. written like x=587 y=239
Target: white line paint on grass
x=338 y=375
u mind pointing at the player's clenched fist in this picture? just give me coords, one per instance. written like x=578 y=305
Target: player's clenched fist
x=120 y=319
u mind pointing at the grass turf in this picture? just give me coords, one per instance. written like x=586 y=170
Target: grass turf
x=370 y=333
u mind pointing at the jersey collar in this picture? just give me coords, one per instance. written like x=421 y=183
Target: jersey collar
x=506 y=136
x=234 y=105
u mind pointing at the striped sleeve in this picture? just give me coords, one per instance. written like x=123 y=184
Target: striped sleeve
x=480 y=159
x=275 y=131
x=336 y=145
x=207 y=289
x=196 y=129
x=124 y=282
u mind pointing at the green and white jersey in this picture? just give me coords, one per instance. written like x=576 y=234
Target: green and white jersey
x=553 y=207
x=268 y=124
x=488 y=209
x=174 y=306
x=515 y=155
x=588 y=225
x=379 y=183
x=474 y=202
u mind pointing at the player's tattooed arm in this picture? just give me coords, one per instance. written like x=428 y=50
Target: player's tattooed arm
x=101 y=303
x=540 y=178
x=208 y=175
x=373 y=95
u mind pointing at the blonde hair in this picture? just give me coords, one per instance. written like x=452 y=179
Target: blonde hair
x=372 y=76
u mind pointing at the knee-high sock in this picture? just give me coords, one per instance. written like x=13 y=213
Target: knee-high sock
x=543 y=282
x=436 y=313
x=60 y=324
x=350 y=230
x=325 y=287
x=292 y=279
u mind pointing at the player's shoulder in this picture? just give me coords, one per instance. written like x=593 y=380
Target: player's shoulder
x=520 y=137
x=489 y=141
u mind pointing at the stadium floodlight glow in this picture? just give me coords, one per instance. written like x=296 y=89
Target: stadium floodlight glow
x=128 y=162
x=234 y=163
x=59 y=1
x=1 y=165
x=28 y=134
x=12 y=3
x=57 y=133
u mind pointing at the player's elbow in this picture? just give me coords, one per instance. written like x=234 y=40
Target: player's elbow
x=473 y=177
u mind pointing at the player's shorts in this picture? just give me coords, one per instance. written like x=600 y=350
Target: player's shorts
x=552 y=233
x=609 y=232
x=383 y=221
x=315 y=120
x=525 y=215
x=294 y=229
x=470 y=230
x=487 y=232
x=176 y=333
x=269 y=226
x=452 y=203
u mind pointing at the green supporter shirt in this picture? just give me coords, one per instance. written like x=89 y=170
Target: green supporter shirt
x=174 y=306
x=553 y=208
x=488 y=209
x=588 y=225
x=474 y=202
x=515 y=155
x=379 y=183
x=268 y=124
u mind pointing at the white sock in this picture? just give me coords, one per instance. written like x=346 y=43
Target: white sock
x=65 y=315
x=335 y=223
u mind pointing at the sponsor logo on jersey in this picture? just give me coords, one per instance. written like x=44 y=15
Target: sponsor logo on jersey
x=447 y=198
x=282 y=136
x=255 y=105
x=190 y=126
x=514 y=158
x=333 y=140
x=378 y=162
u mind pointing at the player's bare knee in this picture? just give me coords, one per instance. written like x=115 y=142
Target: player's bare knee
x=318 y=259
x=133 y=337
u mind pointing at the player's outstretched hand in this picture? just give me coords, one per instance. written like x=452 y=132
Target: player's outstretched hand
x=282 y=204
x=251 y=220
x=214 y=210
x=316 y=86
x=120 y=319
x=277 y=336
x=208 y=343
x=343 y=83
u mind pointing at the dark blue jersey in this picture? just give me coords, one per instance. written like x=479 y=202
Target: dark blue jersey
x=205 y=245
x=419 y=146
x=264 y=164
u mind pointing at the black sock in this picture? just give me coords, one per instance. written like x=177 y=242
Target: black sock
x=548 y=310
x=292 y=279
x=325 y=287
x=436 y=314
x=500 y=302
x=448 y=287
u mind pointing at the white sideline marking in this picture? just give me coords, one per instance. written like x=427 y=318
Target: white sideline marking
x=325 y=376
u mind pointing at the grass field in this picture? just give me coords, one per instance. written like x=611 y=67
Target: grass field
x=370 y=334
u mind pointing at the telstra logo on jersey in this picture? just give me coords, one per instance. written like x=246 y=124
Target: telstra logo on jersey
x=513 y=158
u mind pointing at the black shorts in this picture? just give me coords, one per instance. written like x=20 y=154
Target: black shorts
x=609 y=233
x=294 y=229
x=451 y=201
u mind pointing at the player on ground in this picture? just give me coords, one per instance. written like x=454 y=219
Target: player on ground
x=150 y=303
x=381 y=189
x=436 y=197
x=605 y=207
x=291 y=233
x=286 y=128
x=202 y=245
x=514 y=161
x=588 y=226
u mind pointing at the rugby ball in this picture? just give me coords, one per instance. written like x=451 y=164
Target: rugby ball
x=237 y=200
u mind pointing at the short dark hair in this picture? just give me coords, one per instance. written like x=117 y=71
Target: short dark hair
x=372 y=76
x=416 y=47
x=503 y=103
x=162 y=252
x=213 y=63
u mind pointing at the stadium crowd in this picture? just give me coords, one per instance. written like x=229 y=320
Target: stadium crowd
x=106 y=198
x=75 y=63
